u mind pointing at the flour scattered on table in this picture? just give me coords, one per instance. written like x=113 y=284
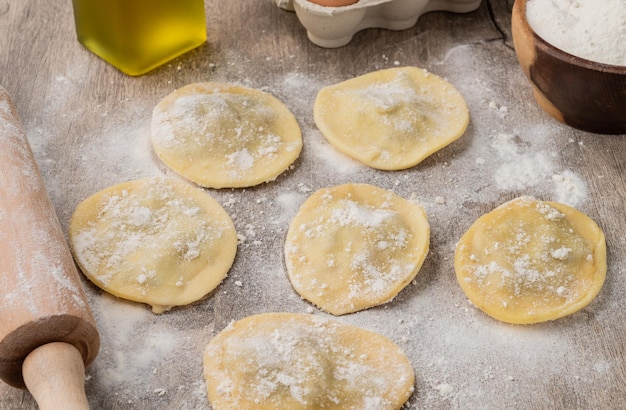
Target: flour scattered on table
x=339 y=162
x=135 y=363
x=120 y=324
x=444 y=389
x=523 y=168
x=585 y=28
x=288 y=204
x=569 y=188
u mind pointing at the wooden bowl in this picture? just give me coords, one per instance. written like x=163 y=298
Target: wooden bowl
x=583 y=94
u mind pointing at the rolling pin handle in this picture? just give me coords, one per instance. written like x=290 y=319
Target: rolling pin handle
x=55 y=375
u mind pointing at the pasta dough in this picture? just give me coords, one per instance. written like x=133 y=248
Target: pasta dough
x=391 y=119
x=531 y=261
x=296 y=361
x=156 y=241
x=225 y=136
x=355 y=246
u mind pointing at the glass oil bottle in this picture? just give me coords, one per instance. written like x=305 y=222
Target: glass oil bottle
x=137 y=36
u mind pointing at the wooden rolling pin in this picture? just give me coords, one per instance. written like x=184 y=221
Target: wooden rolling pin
x=47 y=332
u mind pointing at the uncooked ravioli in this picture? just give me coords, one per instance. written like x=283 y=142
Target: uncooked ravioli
x=530 y=261
x=157 y=241
x=297 y=361
x=225 y=136
x=355 y=246
x=391 y=119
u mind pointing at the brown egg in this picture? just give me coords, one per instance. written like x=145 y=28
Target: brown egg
x=581 y=93
x=334 y=3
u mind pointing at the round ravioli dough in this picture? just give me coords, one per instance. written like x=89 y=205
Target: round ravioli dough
x=156 y=241
x=531 y=261
x=225 y=136
x=355 y=246
x=296 y=361
x=391 y=119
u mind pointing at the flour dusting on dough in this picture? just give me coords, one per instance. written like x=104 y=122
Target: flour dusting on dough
x=220 y=135
x=296 y=360
x=155 y=241
x=355 y=246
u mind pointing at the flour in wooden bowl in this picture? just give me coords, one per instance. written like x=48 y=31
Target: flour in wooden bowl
x=591 y=29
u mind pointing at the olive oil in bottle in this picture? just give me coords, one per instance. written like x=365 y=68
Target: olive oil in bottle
x=137 y=36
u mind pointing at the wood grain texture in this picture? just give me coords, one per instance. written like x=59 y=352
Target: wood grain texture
x=87 y=124
x=55 y=376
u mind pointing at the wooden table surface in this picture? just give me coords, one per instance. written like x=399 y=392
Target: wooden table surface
x=88 y=125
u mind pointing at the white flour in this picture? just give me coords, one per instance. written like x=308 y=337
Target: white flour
x=591 y=29
x=524 y=168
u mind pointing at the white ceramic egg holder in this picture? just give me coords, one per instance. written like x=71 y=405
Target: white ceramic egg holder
x=332 y=27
